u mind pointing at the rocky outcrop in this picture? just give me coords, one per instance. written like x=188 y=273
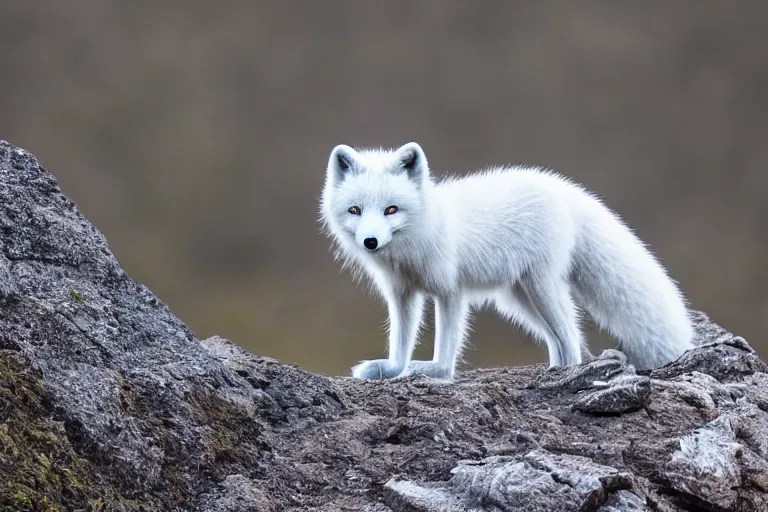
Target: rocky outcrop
x=109 y=402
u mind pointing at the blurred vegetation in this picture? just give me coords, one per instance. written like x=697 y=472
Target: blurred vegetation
x=195 y=137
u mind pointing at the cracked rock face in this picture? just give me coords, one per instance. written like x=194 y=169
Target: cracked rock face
x=109 y=402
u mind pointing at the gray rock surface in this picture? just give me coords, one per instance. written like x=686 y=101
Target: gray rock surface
x=109 y=402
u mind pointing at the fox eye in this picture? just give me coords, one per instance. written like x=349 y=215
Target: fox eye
x=389 y=210
x=354 y=210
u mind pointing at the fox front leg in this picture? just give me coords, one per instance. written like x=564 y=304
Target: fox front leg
x=451 y=315
x=405 y=312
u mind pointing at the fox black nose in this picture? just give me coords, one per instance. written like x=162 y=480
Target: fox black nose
x=371 y=244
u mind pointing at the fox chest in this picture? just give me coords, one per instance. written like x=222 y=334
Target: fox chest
x=431 y=278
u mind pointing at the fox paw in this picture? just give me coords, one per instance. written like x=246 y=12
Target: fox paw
x=430 y=369
x=377 y=369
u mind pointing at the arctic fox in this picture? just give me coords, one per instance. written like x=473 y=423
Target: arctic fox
x=526 y=240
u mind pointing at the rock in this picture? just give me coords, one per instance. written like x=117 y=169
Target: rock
x=537 y=480
x=109 y=402
x=622 y=394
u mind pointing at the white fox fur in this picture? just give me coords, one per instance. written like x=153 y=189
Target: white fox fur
x=526 y=240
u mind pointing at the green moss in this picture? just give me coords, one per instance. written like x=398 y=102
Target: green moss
x=76 y=296
x=22 y=501
x=110 y=501
x=221 y=444
x=39 y=469
x=233 y=438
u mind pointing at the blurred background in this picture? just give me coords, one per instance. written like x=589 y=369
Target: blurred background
x=195 y=136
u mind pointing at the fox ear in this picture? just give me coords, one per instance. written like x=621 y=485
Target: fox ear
x=412 y=160
x=342 y=162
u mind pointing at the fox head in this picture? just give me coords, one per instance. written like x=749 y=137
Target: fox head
x=373 y=199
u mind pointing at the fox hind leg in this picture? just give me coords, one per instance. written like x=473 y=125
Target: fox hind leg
x=516 y=306
x=551 y=300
